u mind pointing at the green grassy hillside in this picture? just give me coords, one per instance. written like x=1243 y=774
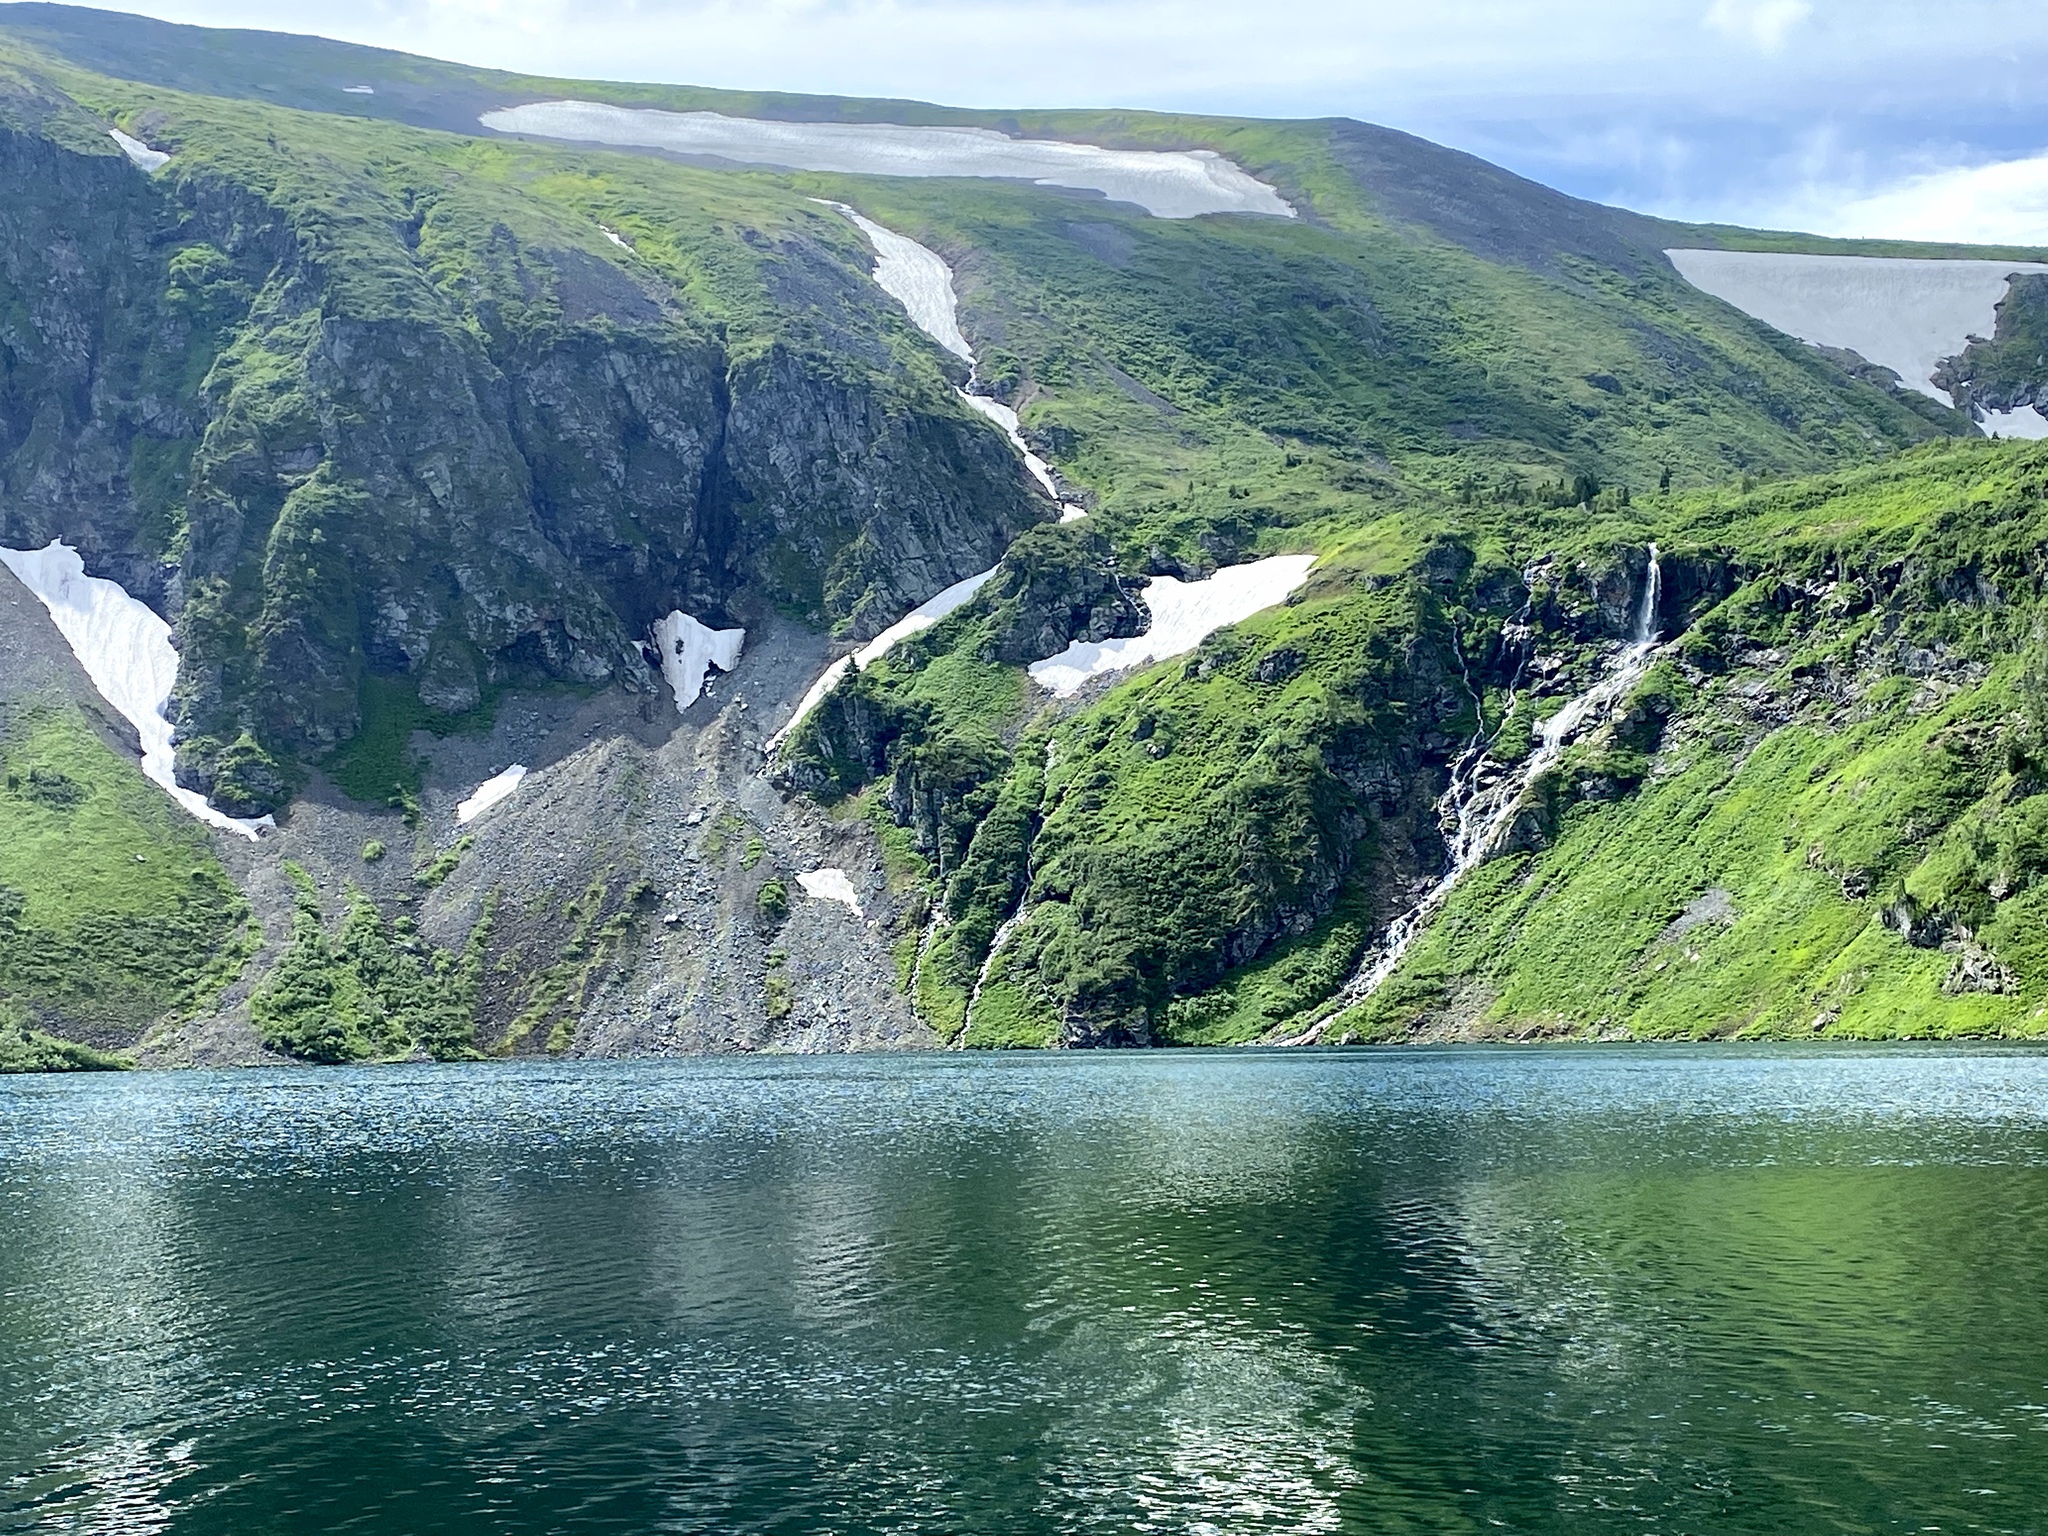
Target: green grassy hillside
x=113 y=910
x=1819 y=812
x=1829 y=817
x=395 y=416
x=395 y=405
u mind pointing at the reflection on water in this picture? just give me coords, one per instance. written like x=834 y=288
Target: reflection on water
x=1657 y=1291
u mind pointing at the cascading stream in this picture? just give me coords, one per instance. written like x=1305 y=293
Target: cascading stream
x=1007 y=927
x=1483 y=798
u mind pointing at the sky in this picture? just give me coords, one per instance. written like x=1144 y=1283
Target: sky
x=1920 y=119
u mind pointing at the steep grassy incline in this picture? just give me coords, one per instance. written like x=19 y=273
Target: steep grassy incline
x=1825 y=813
x=114 y=911
x=1821 y=810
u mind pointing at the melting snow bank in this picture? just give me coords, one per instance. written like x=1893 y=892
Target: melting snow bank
x=2026 y=421
x=1169 y=184
x=1041 y=471
x=149 y=159
x=813 y=697
x=923 y=616
x=831 y=885
x=1184 y=614
x=919 y=279
x=1902 y=313
x=490 y=792
x=689 y=649
x=126 y=650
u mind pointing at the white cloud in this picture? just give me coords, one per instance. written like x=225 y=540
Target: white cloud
x=1840 y=112
x=1762 y=22
x=2000 y=204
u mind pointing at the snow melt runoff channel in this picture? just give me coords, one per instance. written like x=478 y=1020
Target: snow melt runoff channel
x=1184 y=613
x=919 y=280
x=126 y=650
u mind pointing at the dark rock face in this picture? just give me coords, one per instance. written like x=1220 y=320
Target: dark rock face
x=870 y=504
x=91 y=343
x=497 y=484
x=2010 y=369
x=1057 y=585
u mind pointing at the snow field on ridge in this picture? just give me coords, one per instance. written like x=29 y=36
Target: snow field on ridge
x=126 y=650
x=1907 y=314
x=1168 y=184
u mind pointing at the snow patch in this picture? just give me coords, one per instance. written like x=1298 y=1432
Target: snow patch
x=2023 y=421
x=917 y=278
x=615 y=237
x=831 y=885
x=689 y=649
x=490 y=792
x=1184 y=614
x=923 y=616
x=359 y=90
x=126 y=650
x=1169 y=184
x=1902 y=313
x=149 y=159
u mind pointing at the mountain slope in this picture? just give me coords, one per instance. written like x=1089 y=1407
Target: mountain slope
x=1820 y=814
x=414 y=431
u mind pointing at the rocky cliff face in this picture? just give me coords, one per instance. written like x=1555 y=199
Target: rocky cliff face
x=2008 y=369
x=99 y=353
x=455 y=456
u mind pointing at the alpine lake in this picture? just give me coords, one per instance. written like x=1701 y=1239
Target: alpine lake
x=1615 y=1289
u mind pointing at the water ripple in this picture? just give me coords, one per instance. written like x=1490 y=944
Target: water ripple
x=1656 y=1290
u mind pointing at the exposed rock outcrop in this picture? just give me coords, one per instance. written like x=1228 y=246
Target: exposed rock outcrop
x=497 y=478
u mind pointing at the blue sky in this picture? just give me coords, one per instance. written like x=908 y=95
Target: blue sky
x=1915 y=118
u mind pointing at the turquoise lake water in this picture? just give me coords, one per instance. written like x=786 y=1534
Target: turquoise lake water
x=1615 y=1290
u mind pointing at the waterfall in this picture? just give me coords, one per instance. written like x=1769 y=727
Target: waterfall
x=988 y=961
x=1480 y=805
